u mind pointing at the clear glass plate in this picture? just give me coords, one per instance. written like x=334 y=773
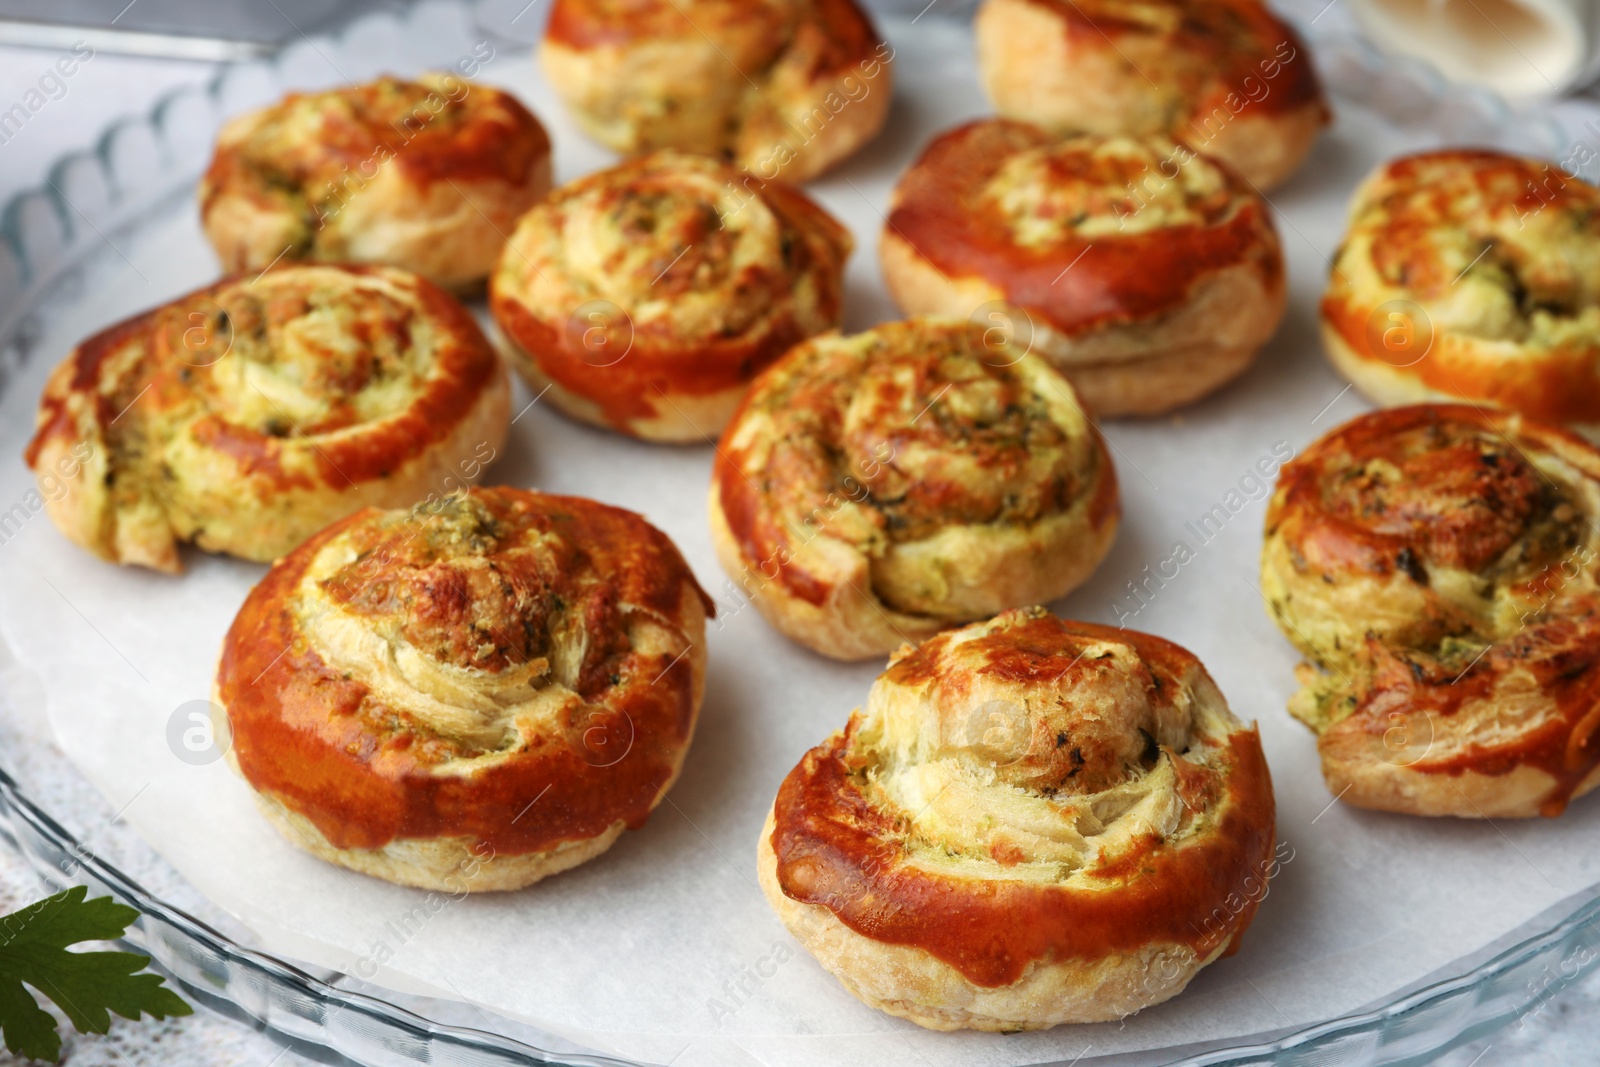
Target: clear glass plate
x=50 y=240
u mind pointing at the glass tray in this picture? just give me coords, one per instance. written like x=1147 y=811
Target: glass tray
x=50 y=240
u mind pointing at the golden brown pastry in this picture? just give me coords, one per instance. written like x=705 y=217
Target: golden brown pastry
x=646 y=297
x=1032 y=822
x=876 y=488
x=1227 y=77
x=780 y=88
x=248 y=415
x=1468 y=274
x=1145 y=272
x=427 y=175
x=1437 y=566
x=468 y=695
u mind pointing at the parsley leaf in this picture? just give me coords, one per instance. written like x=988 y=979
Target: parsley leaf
x=85 y=985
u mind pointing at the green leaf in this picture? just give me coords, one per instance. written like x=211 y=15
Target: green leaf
x=86 y=986
x=66 y=919
x=29 y=1029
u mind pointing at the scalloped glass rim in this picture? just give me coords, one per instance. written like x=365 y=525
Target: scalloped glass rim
x=45 y=235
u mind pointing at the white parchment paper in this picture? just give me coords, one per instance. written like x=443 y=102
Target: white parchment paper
x=663 y=949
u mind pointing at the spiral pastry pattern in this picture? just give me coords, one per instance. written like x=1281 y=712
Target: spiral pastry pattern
x=779 y=88
x=1031 y=822
x=1437 y=566
x=1147 y=273
x=246 y=416
x=471 y=694
x=647 y=296
x=1228 y=77
x=1469 y=274
x=427 y=175
x=876 y=488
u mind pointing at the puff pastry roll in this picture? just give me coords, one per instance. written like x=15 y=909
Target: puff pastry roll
x=468 y=695
x=779 y=88
x=246 y=416
x=876 y=488
x=1469 y=274
x=428 y=175
x=1436 y=565
x=1031 y=822
x=646 y=297
x=1148 y=274
x=1228 y=77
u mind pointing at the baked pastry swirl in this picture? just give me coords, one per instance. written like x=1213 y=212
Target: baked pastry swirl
x=647 y=296
x=1437 y=566
x=780 y=88
x=246 y=416
x=876 y=488
x=428 y=175
x=1469 y=274
x=1227 y=77
x=470 y=694
x=1031 y=822
x=1148 y=274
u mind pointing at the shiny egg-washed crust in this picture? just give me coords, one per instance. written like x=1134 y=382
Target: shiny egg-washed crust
x=1438 y=564
x=246 y=416
x=1032 y=822
x=1225 y=76
x=471 y=694
x=876 y=488
x=426 y=175
x=647 y=296
x=1469 y=274
x=780 y=88
x=1146 y=273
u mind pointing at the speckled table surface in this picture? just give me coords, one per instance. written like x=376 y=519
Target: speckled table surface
x=1561 y=1029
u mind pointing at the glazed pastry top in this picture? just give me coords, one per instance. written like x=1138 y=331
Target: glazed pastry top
x=757 y=28
x=1027 y=789
x=1439 y=563
x=1084 y=230
x=783 y=88
x=1209 y=50
x=308 y=378
x=414 y=673
x=1490 y=251
x=303 y=155
x=900 y=435
x=691 y=268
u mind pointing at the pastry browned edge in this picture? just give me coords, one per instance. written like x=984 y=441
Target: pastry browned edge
x=468 y=695
x=1031 y=822
x=1228 y=77
x=1147 y=273
x=644 y=298
x=1436 y=566
x=875 y=488
x=779 y=88
x=1469 y=274
x=248 y=415
x=428 y=175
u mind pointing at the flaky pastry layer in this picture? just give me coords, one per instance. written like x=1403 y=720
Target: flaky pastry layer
x=875 y=488
x=1227 y=77
x=499 y=676
x=1031 y=822
x=647 y=296
x=1472 y=275
x=1147 y=273
x=248 y=415
x=427 y=175
x=779 y=88
x=1436 y=566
